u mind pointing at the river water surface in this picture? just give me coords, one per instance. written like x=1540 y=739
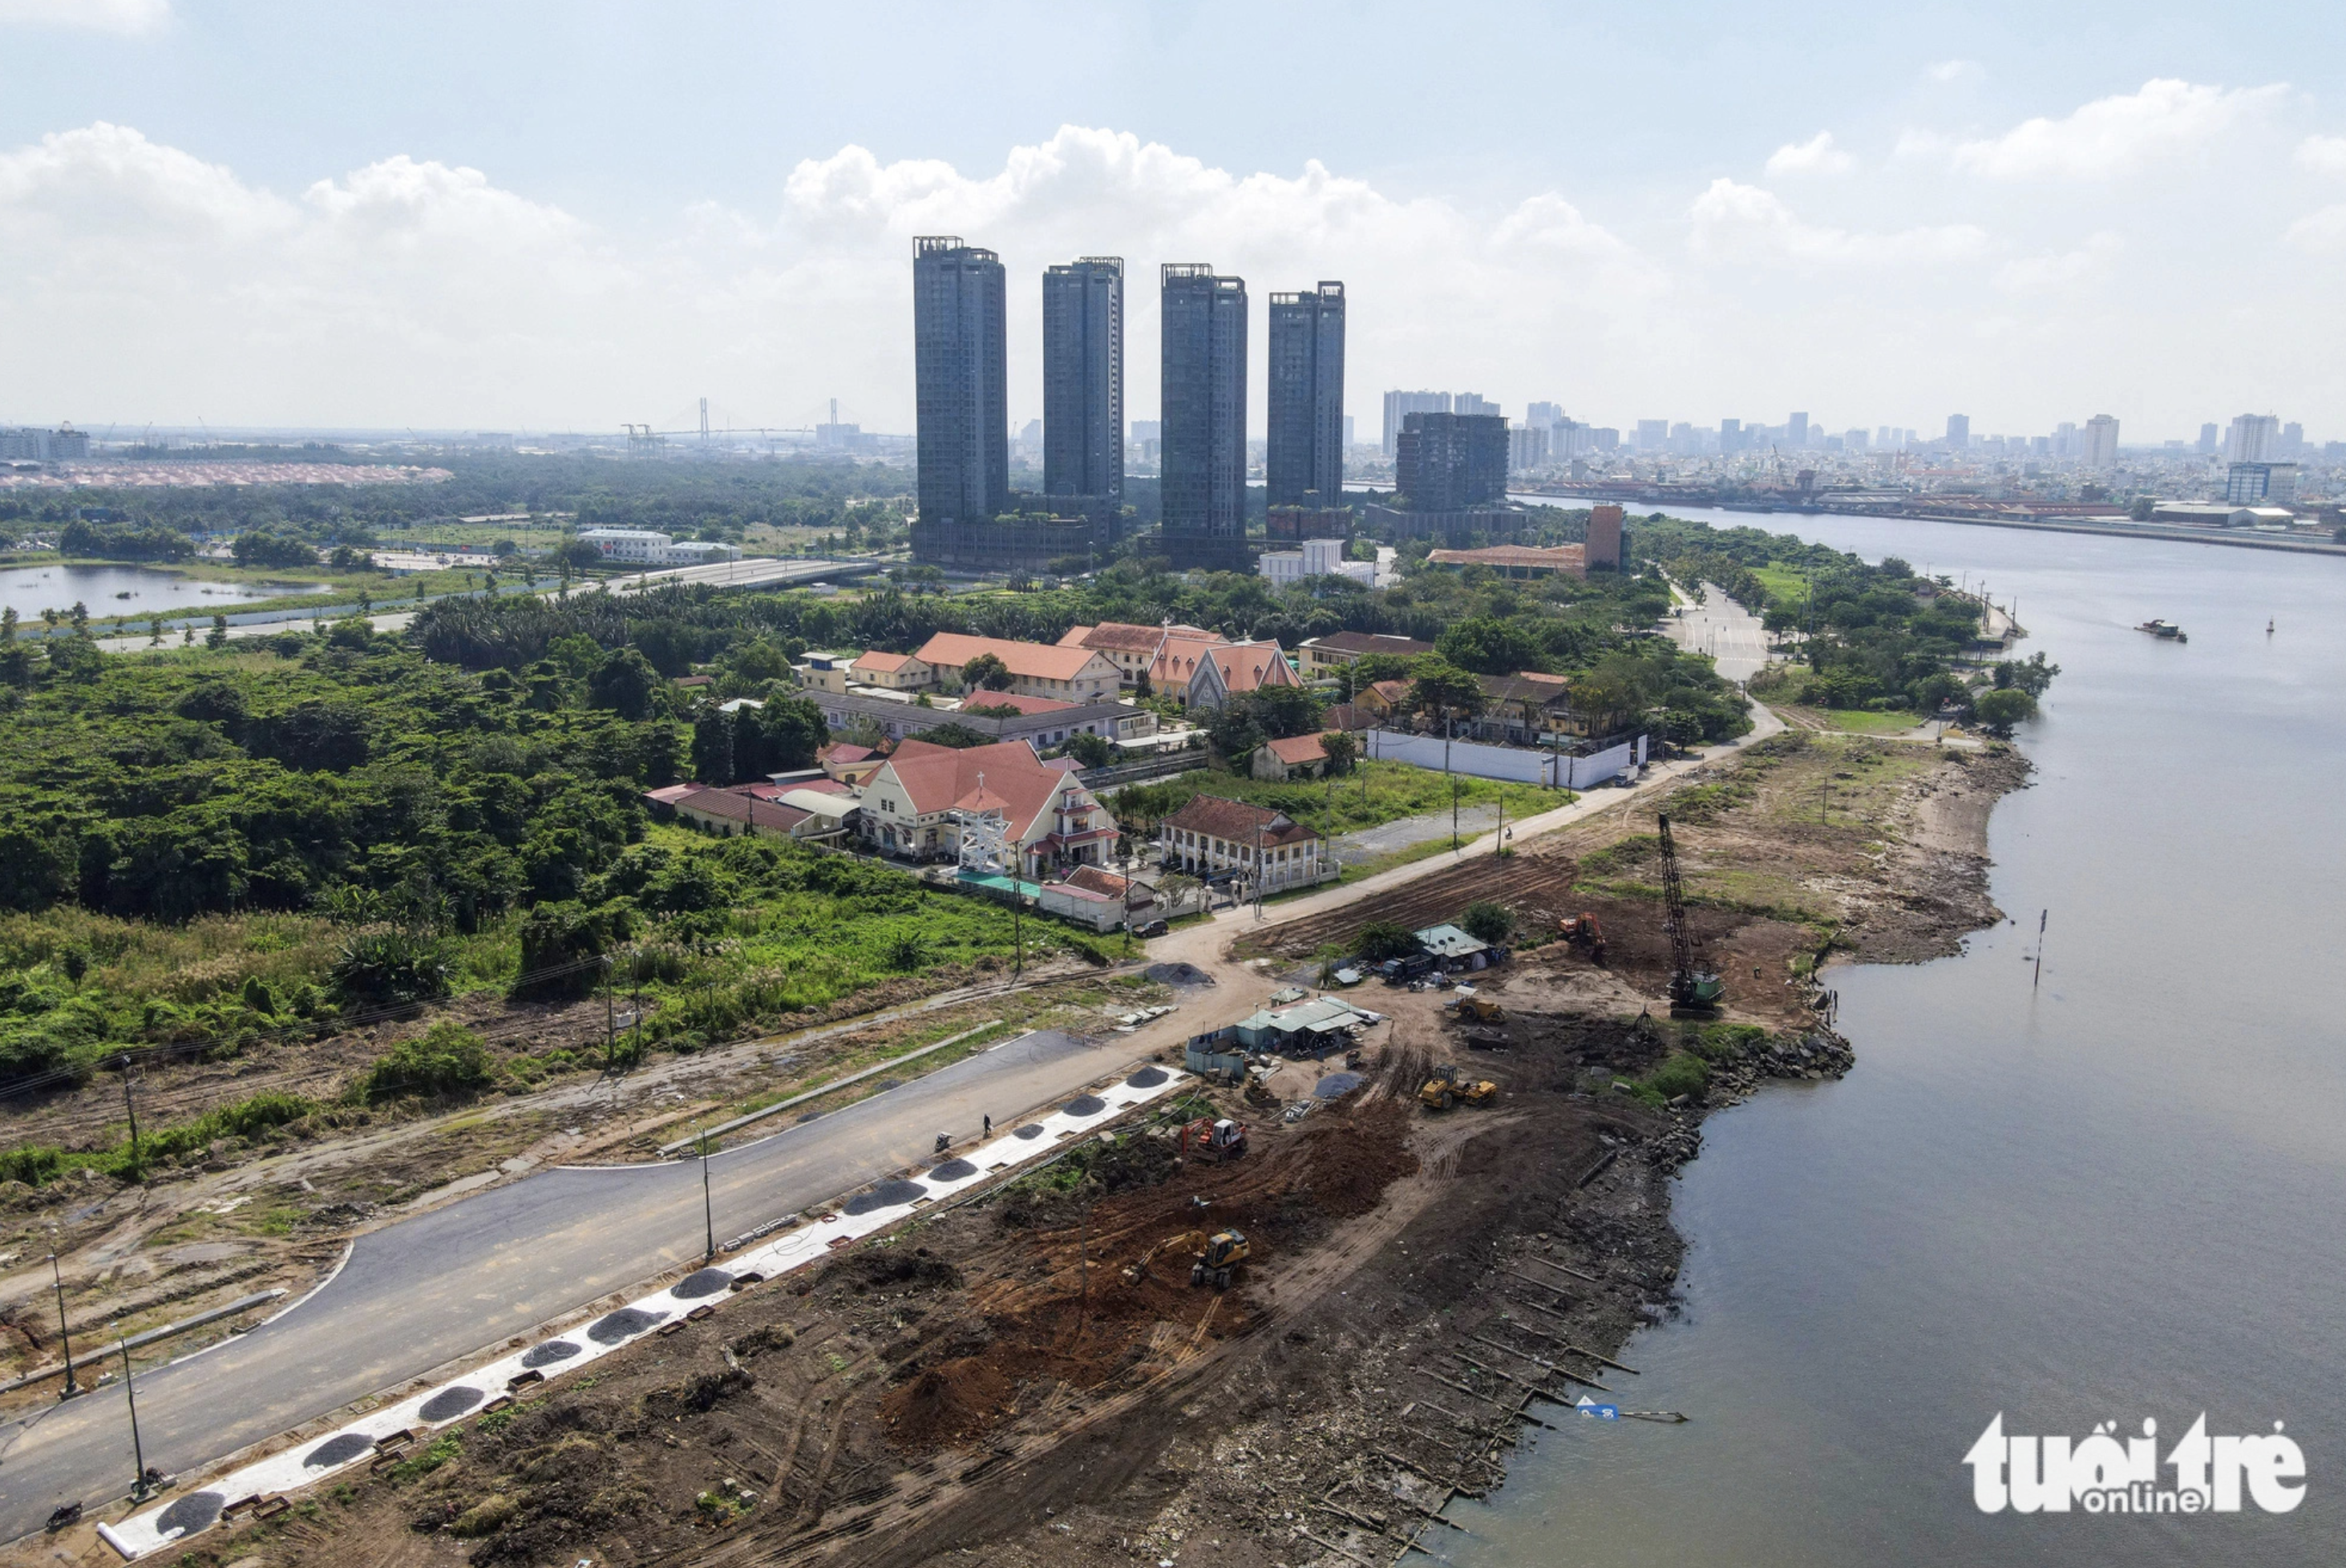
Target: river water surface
x=2121 y=1195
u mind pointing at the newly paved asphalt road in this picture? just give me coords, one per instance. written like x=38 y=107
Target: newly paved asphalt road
x=464 y=1278
x=1724 y=629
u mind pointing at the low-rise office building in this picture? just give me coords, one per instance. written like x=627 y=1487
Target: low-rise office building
x=1322 y=656
x=1036 y=669
x=1213 y=838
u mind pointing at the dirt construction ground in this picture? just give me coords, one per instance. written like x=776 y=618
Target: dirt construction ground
x=1033 y=1379
x=1011 y=1379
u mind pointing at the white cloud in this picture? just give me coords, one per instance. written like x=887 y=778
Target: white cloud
x=127 y=17
x=1743 y=222
x=1952 y=70
x=409 y=286
x=1818 y=155
x=147 y=281
x=2322 y=232
x=2165 y=122
x=2060 y=270
x=2323 y=153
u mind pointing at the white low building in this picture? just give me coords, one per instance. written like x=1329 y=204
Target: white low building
x=1317 y=558
x=642 y=547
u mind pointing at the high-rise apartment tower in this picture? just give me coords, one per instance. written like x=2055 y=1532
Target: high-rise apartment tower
x=1399 y=405
x=1306 y=451
x=960 y=388
x=1203 y=401
x=1083 y=379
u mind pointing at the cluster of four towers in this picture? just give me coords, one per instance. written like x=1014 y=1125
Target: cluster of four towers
x=962 y=401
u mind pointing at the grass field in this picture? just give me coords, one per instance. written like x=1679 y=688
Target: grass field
x=1784 y=586
x=1372 y=795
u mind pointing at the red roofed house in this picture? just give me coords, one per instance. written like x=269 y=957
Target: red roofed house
x=1225 y=670
x=1384 y=701
x=1325 y=656
x=1036 y=669
x=914 y=806
x=1212 y=836
x=891 y=671
x=1297 y=757
x=768 y=810
x=849 y=763
x=1017 y=700
x=1133 y=649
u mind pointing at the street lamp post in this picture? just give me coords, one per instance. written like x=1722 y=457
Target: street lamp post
x=140 y=1490
x=63 y=1339
x=708 y=1203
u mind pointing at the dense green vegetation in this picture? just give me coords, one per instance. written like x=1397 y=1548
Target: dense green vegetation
x=1878 y=637
x=687 y=499
x=224 y=849
x=228 y=850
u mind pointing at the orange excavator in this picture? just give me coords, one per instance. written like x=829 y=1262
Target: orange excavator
x=1583 y=931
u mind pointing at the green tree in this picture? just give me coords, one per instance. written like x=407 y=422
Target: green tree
x=1234 y=730
x=218 y=636
x=960 y=737
x=1382 y=939
x=1284 y=710
x=1091 y=750
x=265 y=549
x=1340 y=750
x=987 y=672
x=712 y=748
x=1441 y=689
x=626 y=683
x=1490 y=646
x=1999 y=710
x=1487 y=922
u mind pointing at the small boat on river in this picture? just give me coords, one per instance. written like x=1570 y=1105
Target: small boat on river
x=2163 y=629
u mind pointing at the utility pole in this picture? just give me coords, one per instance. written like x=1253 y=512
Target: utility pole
x=610 y=1022
x=1258 y=871
x=708 y=1203
x=63 y=1339
x=1450 y=729
x=140 y=1490
x=1824 y=794
x=133 y=1111
x=1017 y=938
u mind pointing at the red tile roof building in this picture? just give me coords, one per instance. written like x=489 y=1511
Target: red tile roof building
x=914 y=806
x=1325 y=656
x=1225 y=670
x=1036 y=669
x=1214 y=836
x=1134 y=649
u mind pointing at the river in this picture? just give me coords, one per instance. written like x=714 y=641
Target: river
x=2121 y=1195
x=127 y=591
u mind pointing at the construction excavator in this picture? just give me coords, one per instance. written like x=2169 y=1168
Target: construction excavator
x=1215 y=1259
x=1692 y=989
x=1225 y=1250
x=1446 y=1089
x=1215 y=1140
x=1585 y=932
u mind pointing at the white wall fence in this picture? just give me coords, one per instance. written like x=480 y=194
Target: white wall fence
x=1520 y=764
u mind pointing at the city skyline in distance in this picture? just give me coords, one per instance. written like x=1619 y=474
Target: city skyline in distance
x=1977 y=231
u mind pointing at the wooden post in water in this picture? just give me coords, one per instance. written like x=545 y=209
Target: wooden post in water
x=2039 y=978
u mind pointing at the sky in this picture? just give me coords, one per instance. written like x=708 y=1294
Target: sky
x=532 y=216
